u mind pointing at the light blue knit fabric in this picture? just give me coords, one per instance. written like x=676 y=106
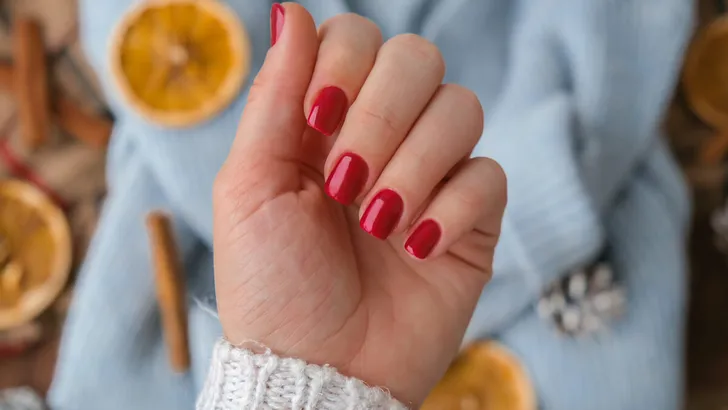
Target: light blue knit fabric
x=573 y=92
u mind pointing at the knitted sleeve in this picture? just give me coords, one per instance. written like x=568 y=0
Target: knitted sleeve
x=572 y=134
x=240 y=379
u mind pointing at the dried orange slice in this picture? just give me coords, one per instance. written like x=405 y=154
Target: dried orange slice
x=36 y=247
x=486 y=376
x=180 y=62
x=705 y=75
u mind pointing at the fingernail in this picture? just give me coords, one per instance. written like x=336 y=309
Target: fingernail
x=382 y=214
x=424 y=239
x=328 y=110
x=277 y=13
x=347 y=179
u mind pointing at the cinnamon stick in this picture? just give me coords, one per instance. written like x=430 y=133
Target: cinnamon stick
x=6 y=76
x=31 y=82
x=92 y=129
x=171 y=294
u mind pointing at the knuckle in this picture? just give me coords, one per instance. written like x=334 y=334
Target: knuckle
x=469 y=201
x=495 y=176
x=498 y=174
x=384 y=121
x=427 y=53
x=354 y=23
x=483 y=182
x=467 y=102
x=348 y=49
x=370 y=27
x=488 y=265
x=463 y=110
x=338 y=65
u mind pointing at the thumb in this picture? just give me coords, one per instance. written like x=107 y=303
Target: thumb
x=263 y=160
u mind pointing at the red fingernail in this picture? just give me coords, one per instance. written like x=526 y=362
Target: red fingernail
x=328 y=110
x=383 y=213
x=424 y=239
x=277 y=13
x=347 y=179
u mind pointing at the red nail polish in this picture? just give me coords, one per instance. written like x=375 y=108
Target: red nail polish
x=347 y=179
x=424 y=239
x=328 y=110
x=382 y=214
x=277 y=14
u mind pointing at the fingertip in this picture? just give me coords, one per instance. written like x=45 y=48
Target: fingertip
x=291 y=22
x=294 y=43
x=289 y=62
x=498 y=179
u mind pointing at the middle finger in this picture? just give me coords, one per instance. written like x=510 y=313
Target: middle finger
x=406 y=74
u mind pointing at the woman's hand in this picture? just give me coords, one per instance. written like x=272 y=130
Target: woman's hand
x=382 y=283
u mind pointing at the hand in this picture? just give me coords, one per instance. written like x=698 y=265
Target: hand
x=387 y=302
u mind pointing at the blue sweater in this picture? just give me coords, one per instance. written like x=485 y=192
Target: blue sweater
x=573 y=92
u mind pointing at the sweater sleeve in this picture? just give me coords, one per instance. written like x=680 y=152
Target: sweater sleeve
x=577 y=118
x=240 y=379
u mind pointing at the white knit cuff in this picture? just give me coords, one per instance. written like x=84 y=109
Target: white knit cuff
x=242 y=380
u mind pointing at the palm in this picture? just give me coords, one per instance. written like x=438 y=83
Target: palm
x=308 y=282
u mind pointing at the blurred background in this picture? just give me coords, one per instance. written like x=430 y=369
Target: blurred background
x=68 y=167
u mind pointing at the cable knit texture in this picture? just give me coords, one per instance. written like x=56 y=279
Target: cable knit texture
x=240 y=380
